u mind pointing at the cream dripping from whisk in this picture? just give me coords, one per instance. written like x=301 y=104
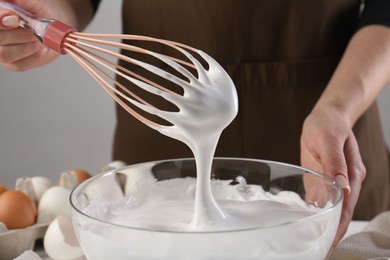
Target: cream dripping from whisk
x=211 y=106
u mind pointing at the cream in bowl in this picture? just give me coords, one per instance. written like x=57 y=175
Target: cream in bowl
x=269 y=210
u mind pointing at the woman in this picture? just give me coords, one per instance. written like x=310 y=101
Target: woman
x=307 y=75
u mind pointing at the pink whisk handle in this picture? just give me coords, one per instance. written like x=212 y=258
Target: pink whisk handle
x=55 y=35
x=51 y=33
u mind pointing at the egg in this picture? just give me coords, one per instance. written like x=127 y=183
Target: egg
x=17 y=210
x=54 y=202
x=40 y=185
x=2 y=188
x=60 y=241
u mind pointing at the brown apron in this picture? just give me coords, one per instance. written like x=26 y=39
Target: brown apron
x=280 y=55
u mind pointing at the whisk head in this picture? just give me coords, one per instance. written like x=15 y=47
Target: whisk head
x=192 y=85
x=160 y=90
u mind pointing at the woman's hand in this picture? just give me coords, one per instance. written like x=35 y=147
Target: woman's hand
x=328 y=145
x=20 y=50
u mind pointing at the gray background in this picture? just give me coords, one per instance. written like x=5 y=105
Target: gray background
x=57 y=117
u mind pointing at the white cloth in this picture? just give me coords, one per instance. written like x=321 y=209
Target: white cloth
x=372 y=242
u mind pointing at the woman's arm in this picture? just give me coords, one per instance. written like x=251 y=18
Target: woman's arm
x=361 y=75
x=327 y=142
x=19 y=49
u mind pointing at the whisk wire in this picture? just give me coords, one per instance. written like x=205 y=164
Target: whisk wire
x=87 y=38
x=121 y=86
x=156 y=70
x=90 y=61
x=143 y=85
x=127 y=71
x=113 y=92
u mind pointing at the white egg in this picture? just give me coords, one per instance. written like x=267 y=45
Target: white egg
x=60 y=241
x=55 y=201
x=40 y=185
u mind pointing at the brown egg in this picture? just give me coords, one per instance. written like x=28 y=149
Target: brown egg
x=2 y=188
x=17 y=210
x=81 y=175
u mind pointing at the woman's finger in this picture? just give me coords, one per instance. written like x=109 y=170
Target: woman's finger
x=31 y=61
x=9 y=21
x=16 y=36
x=14 y=53
x=356 y=173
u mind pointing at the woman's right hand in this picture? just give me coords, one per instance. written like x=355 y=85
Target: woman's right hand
x=20 y=50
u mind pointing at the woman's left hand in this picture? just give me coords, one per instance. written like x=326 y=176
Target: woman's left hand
x=328 y=145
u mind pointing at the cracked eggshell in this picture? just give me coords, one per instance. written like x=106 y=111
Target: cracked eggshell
x=55 y=202
x=60 y=241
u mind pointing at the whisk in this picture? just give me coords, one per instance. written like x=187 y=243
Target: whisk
x=205 y=86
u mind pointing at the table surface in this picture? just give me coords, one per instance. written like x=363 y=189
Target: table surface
x=354 y=227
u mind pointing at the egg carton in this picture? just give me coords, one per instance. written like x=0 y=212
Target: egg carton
x=14 y=242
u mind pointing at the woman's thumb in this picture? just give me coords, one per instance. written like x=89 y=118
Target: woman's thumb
x=8 y=18
x=9 y=21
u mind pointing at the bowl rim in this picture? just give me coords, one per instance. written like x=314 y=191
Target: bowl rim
x=337 y=202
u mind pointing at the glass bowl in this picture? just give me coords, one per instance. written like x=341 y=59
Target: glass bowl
x=309 y=237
